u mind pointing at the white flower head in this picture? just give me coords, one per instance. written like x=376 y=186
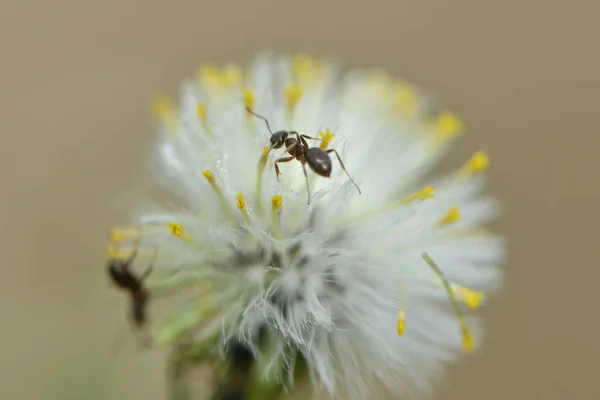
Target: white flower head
x=373 y=282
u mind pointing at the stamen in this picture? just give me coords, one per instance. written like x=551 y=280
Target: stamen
x=209 y=75
x=326 y=136
x=406 y=99
x=293 y=92
x=219 y=192
x=468 y=342
x=262 y=163
x=479 y=162
x=164 y=109
x=248 y=101
x=401 y=319
x=470 y=297
x=241 y=205
x=426 y=193
x=201 y=112
x=176 y=229
x=451 y=216
x=448 y=125
x=276 y=202
x=111 y=251
x=401 y=313
x=231 y=76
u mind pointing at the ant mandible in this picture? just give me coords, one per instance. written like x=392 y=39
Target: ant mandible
x=317 y=159
x=123 y=278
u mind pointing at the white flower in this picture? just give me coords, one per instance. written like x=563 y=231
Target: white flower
x=343 y=282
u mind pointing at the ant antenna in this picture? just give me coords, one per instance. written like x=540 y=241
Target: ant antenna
x=261 y=117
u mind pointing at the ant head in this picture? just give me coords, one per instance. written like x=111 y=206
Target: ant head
x=278 y=139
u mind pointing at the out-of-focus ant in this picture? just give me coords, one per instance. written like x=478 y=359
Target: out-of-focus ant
x=123 y=278
x=317 y=159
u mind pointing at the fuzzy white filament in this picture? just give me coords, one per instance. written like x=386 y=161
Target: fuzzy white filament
x=343 y=282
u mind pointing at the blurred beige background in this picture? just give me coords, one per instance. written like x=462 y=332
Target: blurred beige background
x=78 y=76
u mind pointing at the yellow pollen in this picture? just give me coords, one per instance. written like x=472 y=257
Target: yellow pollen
x=164 y=109
x=241 y=203
x=176 y=229
x=401 y=319
x=478 y=162
x=293 y=92
x=248 y=100
x=209 y=75
x=470 y=297
x=406 y=99
x=468 y=341
x=276 y=202
x=209 y=176
x=231 y=76
x=451 y=216
x=262 y=162
x=110 y=250
x=448 y=125
x=426 y=193
x=163 y=105
x=326 y=136
x=201 y=111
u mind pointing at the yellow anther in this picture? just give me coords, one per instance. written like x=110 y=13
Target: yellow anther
x=326 y=138
x=406 y=99
x=401 y=319
x=448 y=125
x=470 y=297
x=111 y=251
x=248 y=100
x=305 y=67
x=209 y=75
x=201 y=112
x=209 y=176
x=468 y=341
x=426 y=193
x=164 y=109
x=276 y=202
x=262 y=162
x=163 y=106
x=451 y=216
x=176 y=229
x=231 y=76
x=478 y=162
x=241 y=203
x=293 y=92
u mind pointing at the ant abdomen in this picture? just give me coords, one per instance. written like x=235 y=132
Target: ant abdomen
x=318 y=160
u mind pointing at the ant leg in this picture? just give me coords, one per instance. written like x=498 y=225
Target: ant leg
x=344 y=168
x=302 y=138
x=134 y=253
x=288 y=149
x=281 y=160
x=151 y=266
x=311 y=138
x=306 y=179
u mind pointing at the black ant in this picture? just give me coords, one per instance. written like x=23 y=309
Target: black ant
x=124 y=279
x=317 y=159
